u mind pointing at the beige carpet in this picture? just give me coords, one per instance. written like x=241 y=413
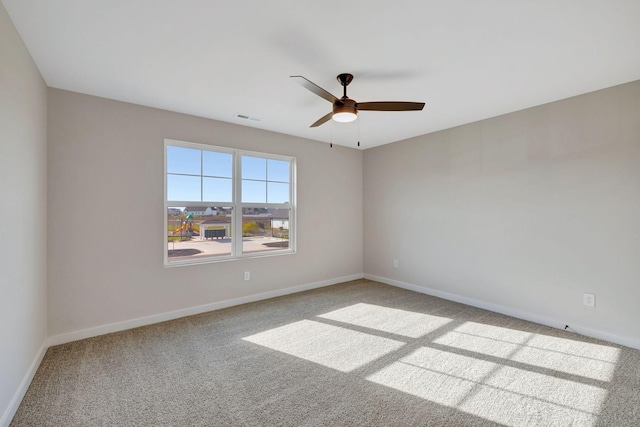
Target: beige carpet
x=355 y=354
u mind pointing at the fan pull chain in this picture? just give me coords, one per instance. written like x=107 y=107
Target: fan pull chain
x=331 y=135
x=358 y=132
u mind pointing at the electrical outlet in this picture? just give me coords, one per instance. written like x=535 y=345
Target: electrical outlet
x=395 y=263
x=247 y=276
x=589 y=300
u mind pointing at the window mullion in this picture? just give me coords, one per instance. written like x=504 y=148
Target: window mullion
x=201 y=176
x=237 y=200
x=266 y=181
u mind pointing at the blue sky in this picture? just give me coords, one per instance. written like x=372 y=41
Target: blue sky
x=194 y=173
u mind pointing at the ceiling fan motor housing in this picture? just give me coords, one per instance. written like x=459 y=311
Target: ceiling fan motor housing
x=345 y=110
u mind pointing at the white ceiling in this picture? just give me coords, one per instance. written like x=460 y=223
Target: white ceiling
x=467 y=59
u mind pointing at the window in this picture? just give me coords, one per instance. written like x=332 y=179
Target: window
x=223 y=204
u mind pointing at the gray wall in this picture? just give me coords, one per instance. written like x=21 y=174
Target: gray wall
x=521 y=213
x=23 y=212
x=106 y=215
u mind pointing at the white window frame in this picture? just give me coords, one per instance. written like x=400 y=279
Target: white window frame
x=236 y=204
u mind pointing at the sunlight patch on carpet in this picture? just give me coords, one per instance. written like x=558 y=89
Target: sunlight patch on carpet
x=328 y=345
x=385 y=319
x=583 y=359
x=493 y=391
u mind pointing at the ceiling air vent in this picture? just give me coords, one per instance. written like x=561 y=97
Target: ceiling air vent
x=245 y=117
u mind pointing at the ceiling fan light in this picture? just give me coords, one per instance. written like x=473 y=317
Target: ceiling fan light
x=346 y=112
x=345 y=117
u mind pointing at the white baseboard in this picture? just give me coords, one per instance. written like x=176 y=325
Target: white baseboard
x=190 y=311
x=24 y=385
x=532 y=317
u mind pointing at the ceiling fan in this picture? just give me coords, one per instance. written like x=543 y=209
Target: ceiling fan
x=346 y=109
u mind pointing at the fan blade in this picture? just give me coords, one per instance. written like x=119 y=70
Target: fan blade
x=322 y=120
x=390 y=106
x=315 y=88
